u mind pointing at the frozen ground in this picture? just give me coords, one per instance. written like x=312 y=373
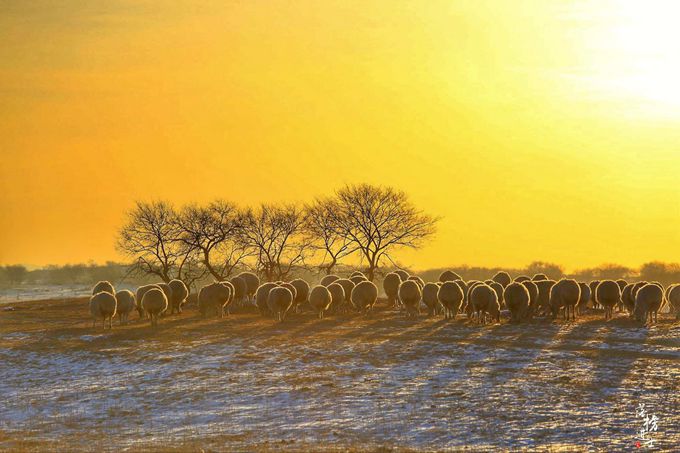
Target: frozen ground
x=350 y=382
x=42 y=292
x=17 y=294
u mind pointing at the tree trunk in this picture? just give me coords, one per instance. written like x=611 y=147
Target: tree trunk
x=371 y=273
x=329 y=268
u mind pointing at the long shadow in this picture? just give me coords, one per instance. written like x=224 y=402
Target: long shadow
x=393 y=326
x=581 y=332
x=529 y=339
x=442 y=363
x=187 y=326
x=611 y=366
x=304 y=324
x=364 y=327
x=514 y=348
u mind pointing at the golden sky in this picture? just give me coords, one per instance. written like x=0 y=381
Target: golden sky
x=538 y=130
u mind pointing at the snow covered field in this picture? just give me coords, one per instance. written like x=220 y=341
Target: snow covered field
x=349 y=382
x=10 y=295
x=42 y=292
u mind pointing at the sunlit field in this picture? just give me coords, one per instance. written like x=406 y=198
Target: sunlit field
x=339 y=225
x=348 y=381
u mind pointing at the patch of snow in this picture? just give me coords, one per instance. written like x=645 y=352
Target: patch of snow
x=426 y=393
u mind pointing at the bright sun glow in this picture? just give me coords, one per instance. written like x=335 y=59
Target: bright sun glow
x=638 y=51
x=482 y=111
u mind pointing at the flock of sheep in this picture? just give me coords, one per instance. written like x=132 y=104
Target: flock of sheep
x=523 y=297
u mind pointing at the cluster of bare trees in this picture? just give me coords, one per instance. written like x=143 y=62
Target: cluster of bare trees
x=364 y=222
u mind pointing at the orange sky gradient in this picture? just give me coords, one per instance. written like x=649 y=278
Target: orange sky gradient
x=538 y=130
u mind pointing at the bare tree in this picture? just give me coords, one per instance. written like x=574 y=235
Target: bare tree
x=325 y=235
x=191 y=268
x=275 y=234
x=150 y=237
x=214 y=231
x=378 y=220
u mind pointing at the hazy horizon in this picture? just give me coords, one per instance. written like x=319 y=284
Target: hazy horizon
x=538 y=130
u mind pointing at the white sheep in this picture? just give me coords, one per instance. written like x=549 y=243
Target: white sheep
x=252 y=283
x=647 y=302
x=179 y=292
x=565 y=294
x=533 y=295
x=430 y=300
x=356 y=279
x=240 y=290
x=544 y=287
x=608 y=294
x=279 y=301
x=103 y=306
x=262 y=295
x=391 y=284
x=674 y=299
x=502 y=278
x=301 y=291
x=403 y=274
x=449 y=276
x=214 y=298
x=628 y=298
x=328 y=279
x=337 y=296
x=363 y=297
x=125 y=304
x=104 y=286
x=410 y=295
x=517 y=299
x=484 y=300
x=140 y=295
x=585 y=297
x=154 y=303
x=320 y=299
x=450 y=296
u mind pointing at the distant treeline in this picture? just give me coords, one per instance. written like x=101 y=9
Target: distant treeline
x=122 y=273
x=69 y=274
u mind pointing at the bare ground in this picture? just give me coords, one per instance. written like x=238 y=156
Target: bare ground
x=343 y=383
